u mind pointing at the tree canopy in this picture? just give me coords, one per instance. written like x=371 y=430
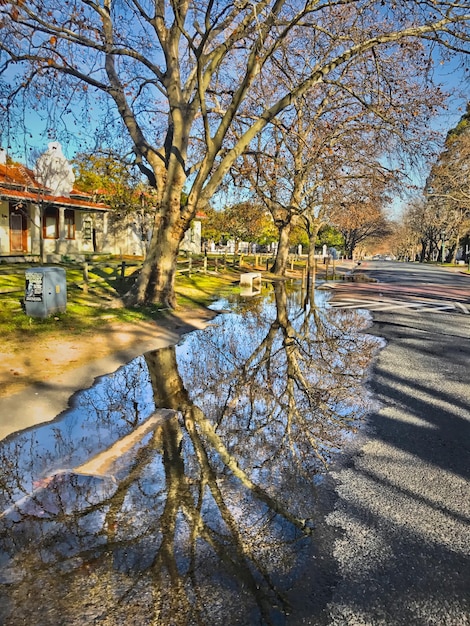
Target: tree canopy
x=111 y=180
x=447 y=195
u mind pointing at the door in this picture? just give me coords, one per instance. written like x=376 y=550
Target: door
x=18 y=231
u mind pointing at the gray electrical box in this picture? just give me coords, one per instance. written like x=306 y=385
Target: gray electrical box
x=45 y=291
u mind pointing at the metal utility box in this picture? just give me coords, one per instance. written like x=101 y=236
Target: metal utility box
x=45 y=291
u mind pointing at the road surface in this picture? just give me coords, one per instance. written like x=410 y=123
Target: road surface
x=403 y=494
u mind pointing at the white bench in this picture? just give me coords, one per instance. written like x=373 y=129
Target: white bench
x=250 y=278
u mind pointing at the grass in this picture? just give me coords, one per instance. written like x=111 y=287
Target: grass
x=96 y=303
x=200 y=290
x=93 y=303
x=465 y=268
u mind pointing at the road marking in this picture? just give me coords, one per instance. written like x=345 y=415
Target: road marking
x=463 y=307
x=395 y=305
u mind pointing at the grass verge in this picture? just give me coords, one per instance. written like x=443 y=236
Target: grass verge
x=96 y=302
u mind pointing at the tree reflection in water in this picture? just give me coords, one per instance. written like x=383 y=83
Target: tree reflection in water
x=205 y=514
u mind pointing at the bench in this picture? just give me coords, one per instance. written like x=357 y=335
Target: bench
x=248 y=279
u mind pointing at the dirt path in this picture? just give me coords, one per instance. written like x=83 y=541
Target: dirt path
x=38 y=381
x=48 y=359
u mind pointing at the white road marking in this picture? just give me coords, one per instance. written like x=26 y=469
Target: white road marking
x=393 y=305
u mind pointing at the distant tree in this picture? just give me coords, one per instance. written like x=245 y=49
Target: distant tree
x=426 y=228
x=244 y=221
x=211 y=227
x=331 y=237
x=298 y=236
x=110 y=180
x=121 y=186
x=359 y=222
x=403 y=241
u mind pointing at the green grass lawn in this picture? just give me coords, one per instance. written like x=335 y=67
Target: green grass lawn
x=96 y=303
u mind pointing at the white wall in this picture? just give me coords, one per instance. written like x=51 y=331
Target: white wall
x=4 y=228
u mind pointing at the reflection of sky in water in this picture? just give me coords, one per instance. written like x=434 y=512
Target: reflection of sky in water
x=212 y=509
x=110 y=409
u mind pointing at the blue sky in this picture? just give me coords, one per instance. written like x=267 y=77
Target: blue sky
x=454 y=78
x=26 y=148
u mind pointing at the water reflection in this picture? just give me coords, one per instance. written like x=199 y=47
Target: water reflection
x=122 y=513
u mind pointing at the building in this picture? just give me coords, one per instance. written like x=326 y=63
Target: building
x=44 y=218
x=39 y=222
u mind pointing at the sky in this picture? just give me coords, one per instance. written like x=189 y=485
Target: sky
x=454 y=78
x=450 y=75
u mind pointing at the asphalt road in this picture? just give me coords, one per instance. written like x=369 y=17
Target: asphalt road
x=402 y=512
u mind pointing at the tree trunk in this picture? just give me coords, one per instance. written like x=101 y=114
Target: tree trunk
x=422 y=254
x=280 y=263
x=156 y=280
x=347 y=245
x=349 y=249
x=456 y=248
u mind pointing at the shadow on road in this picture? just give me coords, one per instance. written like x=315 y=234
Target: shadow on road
x=404 y=499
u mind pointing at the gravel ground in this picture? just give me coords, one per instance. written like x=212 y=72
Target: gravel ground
x=402 y=515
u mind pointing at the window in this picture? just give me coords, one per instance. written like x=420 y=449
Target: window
x=69 y=223
x=50 y=223
x=87 y=230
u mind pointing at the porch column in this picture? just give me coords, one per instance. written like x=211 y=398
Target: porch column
x=102 y=242
x=35 y=230
x=61 y=242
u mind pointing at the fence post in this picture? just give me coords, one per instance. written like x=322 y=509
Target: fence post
x=123 y=270
x=85 y=277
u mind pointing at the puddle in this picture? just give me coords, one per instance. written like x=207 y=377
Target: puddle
x=183 y=488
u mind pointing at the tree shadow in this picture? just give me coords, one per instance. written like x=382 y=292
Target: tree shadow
x=403 y=500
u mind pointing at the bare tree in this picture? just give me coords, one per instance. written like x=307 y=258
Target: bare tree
x=288 y=169
x=310 y=160
x=178 y=76
x=362 y=216
x=403 y=241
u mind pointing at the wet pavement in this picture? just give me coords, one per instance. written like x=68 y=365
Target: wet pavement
x=187 y=487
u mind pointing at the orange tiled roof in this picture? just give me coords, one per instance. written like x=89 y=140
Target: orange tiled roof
x=81 y=202
x=17 y=182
